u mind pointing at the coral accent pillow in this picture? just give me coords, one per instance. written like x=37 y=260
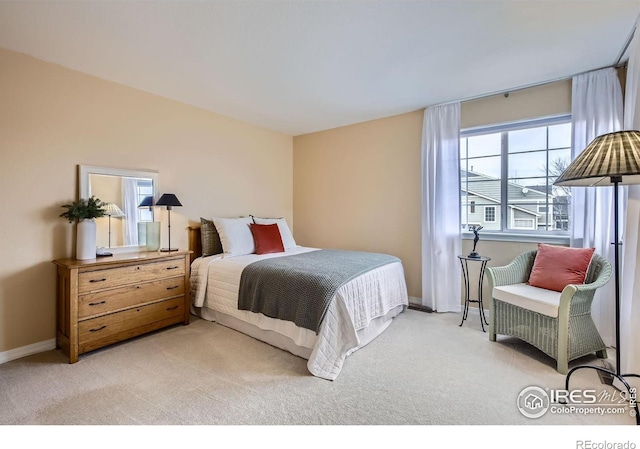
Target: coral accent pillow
x=555 y=267
x=267 y=238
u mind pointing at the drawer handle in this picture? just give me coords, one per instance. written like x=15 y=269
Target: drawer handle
x=137 y=268
x=172 y=268
x=98 y=280
x=98 y=329
x=171 y=288
x=172 y=308
x=97 y=303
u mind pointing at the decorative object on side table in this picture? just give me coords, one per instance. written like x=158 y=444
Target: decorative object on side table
x=473 y=254
x=609 y=160
x=149 y=231
x=169 y=200
x=84 y=212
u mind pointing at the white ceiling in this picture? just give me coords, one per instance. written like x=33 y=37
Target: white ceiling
x=300 y=66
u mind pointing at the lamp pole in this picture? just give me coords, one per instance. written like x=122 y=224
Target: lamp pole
x=616 y=251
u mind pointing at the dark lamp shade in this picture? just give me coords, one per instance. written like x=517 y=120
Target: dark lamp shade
x=168 y=199
x=146 y=202
x=610 y=155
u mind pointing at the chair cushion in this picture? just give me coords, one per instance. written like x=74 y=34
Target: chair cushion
x=555 y=267
x=528 y=297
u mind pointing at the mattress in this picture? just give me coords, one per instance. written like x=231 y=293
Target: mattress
x=360 y=310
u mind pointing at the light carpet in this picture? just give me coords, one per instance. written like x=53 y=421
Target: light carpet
x=423 y=370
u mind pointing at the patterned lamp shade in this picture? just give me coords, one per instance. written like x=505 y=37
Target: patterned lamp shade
x=112 y=210
x=609 y=158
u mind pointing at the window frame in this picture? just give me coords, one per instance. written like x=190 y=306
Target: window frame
x=506 y=234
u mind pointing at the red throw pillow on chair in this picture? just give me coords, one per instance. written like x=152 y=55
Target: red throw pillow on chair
x=267 y=238
x=555 y=267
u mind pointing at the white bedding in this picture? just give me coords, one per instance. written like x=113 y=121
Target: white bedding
x=360 y=311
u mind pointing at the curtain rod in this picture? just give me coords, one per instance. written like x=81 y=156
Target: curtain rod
x=527 y=86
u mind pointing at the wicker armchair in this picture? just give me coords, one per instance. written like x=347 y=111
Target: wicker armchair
x=568 y=335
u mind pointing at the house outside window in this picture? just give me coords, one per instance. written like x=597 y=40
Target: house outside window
x=509 y=170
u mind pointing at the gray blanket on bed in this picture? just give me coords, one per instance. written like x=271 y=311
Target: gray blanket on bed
x=300 y=287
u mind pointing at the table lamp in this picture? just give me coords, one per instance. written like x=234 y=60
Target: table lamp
x=169 y=200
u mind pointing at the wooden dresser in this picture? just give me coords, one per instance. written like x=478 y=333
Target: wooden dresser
x=106 y=300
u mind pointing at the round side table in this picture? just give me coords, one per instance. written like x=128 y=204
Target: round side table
x=464 y=261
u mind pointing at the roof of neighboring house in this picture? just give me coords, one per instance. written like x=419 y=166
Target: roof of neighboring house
x=489 y=187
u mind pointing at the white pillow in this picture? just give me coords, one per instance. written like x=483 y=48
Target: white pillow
x=283 y=227
x=235 y=235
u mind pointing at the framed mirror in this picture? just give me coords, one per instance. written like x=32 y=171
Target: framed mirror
x=123 y=190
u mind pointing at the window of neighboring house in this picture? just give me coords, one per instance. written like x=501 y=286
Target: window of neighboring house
x=509 y=170
x=490 y=214
x=524 y=223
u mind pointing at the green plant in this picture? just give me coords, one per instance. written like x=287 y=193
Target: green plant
x=84 y=210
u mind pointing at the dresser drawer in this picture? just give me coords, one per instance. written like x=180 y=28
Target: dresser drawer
x=89 y=281
x=115 y=327
x=106 y=301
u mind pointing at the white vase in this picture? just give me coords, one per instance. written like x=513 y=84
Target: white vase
x=86 y=240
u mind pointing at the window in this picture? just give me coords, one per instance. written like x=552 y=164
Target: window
x=509 y=171
x=490 y=214
x=144 y=188
x=524 y=223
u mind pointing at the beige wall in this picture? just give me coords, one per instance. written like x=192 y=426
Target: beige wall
x=358 y=186
x=52 y=119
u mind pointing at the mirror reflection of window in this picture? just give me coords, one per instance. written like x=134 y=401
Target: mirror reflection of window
x=145 y=189
x=127 y=193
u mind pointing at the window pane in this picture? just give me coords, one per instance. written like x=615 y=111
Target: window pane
x=488 y=166
x=560 y=136
x=526 y=165
x=484 y=145
x=558 y=162
x=527 y=139
x=481 y=193
x=463 y=148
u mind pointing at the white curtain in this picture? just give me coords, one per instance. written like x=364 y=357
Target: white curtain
x=629 y=304
x=441 y=239
x=596 y=108
x=130 y=209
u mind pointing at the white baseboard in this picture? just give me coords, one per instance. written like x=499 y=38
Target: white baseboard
x=25 y=351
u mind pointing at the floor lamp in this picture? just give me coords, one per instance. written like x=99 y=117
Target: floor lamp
x=609 y=160
x=112 y=210
x=169 y=200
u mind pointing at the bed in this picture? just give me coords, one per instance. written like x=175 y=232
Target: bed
x=359 y=311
